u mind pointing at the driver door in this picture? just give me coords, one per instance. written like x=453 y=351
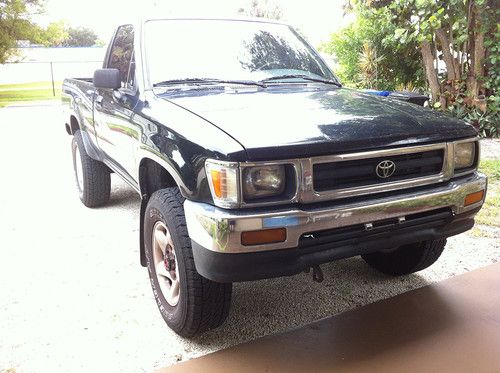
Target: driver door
x=116 y=133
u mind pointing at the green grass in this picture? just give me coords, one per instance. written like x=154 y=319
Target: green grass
x=491 y=167
x=31 y=85
x=490 y=213
x=12 y=93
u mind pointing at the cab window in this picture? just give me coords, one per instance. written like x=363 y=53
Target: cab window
x=121 y=56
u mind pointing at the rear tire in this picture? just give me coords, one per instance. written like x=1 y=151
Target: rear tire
x=189 y=303
x=406 y=259
x=92 y=177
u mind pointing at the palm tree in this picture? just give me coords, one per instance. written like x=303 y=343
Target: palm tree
x=368 y=63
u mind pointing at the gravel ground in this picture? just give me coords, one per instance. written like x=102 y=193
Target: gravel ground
x=490 y=148
x=74 y=298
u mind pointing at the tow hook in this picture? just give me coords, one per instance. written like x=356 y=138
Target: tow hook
x=317 y=274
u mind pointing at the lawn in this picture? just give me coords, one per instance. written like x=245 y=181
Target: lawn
x=490 y=213
x=33 y=85
x=12 y=93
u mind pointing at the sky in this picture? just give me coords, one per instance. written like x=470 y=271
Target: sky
x=316 y=19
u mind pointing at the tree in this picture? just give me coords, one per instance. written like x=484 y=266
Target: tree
x=58 y=34
x=80 y=37
x=464 y=35
x=368 y=63
x=367 y=58
x=262 y=9
x=54 y=35
x=454 y=42
x=269 y=51
x=346 y=45
x=453 y=32
x=16 y=24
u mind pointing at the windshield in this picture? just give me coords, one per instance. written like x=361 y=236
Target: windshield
x=227 y=50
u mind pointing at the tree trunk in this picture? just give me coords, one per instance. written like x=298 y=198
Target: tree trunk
x=477 y=68
x=477 y=52
x=449 y=60
x=456 y=60
x=430 y=72
x=471 y=46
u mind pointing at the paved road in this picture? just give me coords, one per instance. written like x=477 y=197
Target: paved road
x=74 y=298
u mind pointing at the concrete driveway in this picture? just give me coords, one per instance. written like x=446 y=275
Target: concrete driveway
x=75 y=299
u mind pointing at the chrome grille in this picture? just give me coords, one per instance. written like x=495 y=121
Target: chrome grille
x=362 y=172
x=420 y=165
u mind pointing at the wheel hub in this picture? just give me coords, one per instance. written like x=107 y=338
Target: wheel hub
x=169 y=262
x=165 y=262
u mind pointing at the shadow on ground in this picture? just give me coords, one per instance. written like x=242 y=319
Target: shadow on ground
x=268 y=304
x=280 y=303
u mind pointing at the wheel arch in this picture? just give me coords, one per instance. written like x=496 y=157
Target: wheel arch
x=73 y=125
x=154 y=175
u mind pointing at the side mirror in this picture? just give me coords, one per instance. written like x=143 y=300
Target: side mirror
x=107 y=78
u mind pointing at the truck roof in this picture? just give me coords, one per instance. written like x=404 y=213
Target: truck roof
x=144 y=19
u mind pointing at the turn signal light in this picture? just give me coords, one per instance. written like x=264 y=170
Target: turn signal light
x=218 y=179
x=223 y=181
x=472 y=198
x=264 y=236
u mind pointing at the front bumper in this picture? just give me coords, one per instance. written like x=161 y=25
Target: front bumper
x=434 y=212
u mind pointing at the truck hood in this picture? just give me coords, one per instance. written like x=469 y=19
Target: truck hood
x=306 y=121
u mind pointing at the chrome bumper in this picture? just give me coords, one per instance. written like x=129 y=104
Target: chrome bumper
x=220 y=230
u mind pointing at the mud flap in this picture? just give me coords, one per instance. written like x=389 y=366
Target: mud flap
x=142 y=250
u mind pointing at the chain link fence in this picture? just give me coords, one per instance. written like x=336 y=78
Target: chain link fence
x=52 y=72
x=40 y=68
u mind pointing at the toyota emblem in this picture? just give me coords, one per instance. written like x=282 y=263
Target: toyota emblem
x=385 y=169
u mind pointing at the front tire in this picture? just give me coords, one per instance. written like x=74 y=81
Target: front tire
x=406 y=259
x=92 y=177
x=189 y=303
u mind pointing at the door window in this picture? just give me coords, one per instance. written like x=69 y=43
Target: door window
x=122 y=55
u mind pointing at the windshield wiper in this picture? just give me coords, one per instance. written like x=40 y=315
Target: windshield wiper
x=195 y=81
x=301 y=76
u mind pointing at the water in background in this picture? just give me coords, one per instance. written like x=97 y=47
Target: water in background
x=34 y=64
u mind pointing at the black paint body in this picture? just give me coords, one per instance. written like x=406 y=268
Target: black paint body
x=180 y=131
x=178 y=128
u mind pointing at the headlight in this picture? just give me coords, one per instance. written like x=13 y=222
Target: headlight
x=223 y=181
x=465 y=154
x=263 y=181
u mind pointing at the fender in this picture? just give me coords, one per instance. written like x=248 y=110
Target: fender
x=70 y=95
x=90 y=148
x=179 y=142
x=170 y=167
x=166 y=164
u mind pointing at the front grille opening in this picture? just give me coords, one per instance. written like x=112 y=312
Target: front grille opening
x=362 y=172
x=337 y=235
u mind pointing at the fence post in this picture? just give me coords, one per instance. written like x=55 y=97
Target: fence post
x=52 y=77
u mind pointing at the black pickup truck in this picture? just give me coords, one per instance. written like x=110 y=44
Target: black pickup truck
x=252 y=161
